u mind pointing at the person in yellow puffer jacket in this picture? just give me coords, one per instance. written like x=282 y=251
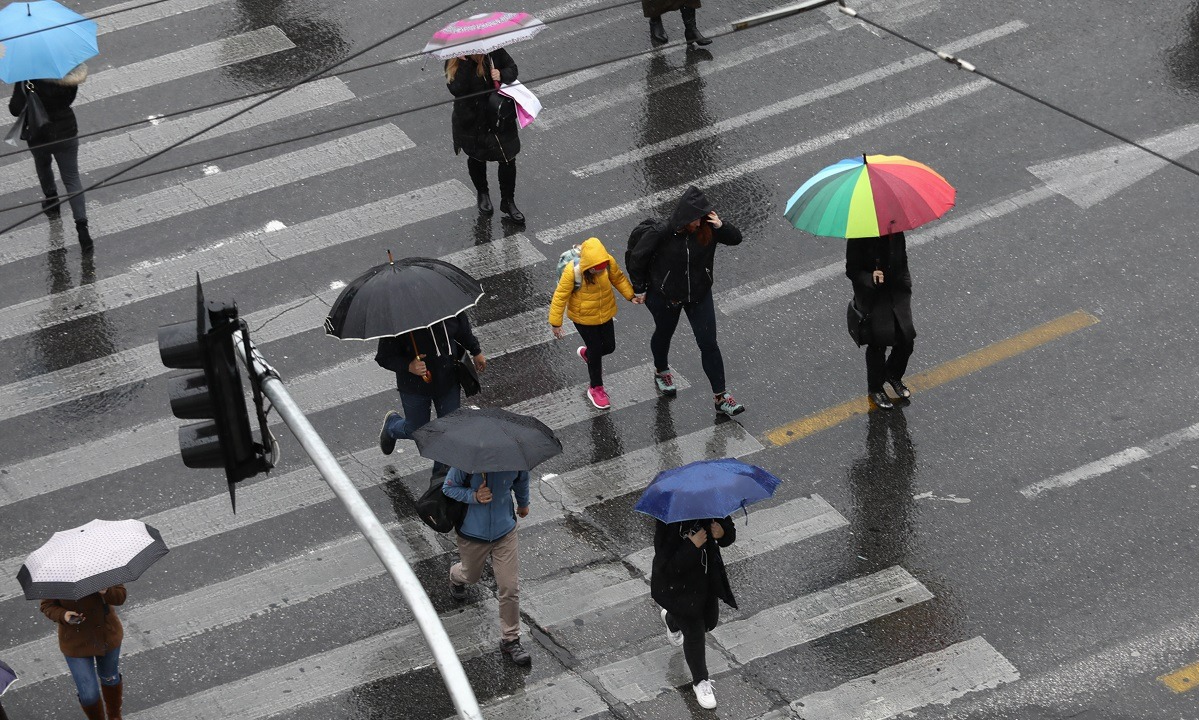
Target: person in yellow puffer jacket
x=591 y=308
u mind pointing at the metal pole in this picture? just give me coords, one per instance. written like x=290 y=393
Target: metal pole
x=797 y=8
x=430 y=625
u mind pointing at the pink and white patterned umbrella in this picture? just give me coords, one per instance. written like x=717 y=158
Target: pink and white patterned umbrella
x=482 y=33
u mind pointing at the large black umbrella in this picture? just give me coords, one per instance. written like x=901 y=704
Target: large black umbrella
x=487 y=440
x=401 y=296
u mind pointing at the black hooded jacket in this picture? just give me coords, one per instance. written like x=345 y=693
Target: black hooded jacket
x=441 y=345
x=684 y=576
x=56 y=97
x=478 y=131
x=672 y=261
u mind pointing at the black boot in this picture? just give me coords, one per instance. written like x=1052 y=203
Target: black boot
x=508 y=207
x=692 y=32
x=50 y=206
x=485 y=203
x=657 y=31
x=85 y=237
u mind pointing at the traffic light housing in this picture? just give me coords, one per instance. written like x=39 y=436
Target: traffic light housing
x=211 y=390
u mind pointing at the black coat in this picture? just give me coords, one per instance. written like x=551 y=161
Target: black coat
x=56 y=97
x=684 y=576
x=673 y=262
x=889 y=304
x=478 y=131
x=654 y=8
x=441 y=345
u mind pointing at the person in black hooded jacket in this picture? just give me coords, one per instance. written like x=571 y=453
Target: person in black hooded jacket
x=485 y=125
x=687 y=581
x=671 y=271
x=57 y=141
x=424 y=363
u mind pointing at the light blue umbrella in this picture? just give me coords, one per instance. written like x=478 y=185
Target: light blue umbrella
x=66 y=39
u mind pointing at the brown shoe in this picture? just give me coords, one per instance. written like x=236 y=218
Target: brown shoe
x=112 y=699
x=94 y=711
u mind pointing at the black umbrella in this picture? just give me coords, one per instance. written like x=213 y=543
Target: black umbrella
x=398 y=297
x=487 y=440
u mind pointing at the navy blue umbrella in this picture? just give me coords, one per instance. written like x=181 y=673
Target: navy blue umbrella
x=7 y=677
x=705 y=489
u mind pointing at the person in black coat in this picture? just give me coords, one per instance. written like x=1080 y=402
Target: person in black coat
x=687 y=580
x=882 y=288
x=653 y=10
x=670 y=268
x=424 y=363
x=57 y=141
x=484 y=124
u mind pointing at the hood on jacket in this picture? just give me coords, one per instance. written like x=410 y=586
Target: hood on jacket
x=591 y=253
x=72 y=79
x=692 y=206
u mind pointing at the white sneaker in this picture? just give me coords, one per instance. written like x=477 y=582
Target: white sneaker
x=704 y=694
x=674 y=637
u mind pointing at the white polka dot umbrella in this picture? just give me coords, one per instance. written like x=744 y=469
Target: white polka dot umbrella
x=83 y=560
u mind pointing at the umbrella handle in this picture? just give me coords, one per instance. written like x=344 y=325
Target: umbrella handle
x=427 y=377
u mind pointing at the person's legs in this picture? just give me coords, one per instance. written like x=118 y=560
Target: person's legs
x=444 y=404
x=478 y=174
x=694 y=651
x=666 y=319
x=108 y=668
x=507 y=174
x=417 y=412
x=471 y=557
x=897 y=363
x=876 y=367
x=505 y=563
x=702 y=316
x=42 y=162
x=83 y=672
x=600 y=341
x=66 y=154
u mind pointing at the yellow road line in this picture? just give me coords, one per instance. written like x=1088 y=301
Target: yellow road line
x=1182 y=680
x=941 y=374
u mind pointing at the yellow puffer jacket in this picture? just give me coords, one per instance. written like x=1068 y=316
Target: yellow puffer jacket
x=593 y=303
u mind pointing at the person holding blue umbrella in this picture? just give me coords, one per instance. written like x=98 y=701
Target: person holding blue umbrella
x=43 y=57
x=692 y=506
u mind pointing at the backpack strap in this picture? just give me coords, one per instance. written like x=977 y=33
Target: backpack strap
x=578 y=275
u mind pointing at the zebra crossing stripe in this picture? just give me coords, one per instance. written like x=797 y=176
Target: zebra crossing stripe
x=184 y=63
x=235 y=255
x=133 y=145
x=231 y=184
x=128 y=14
x=560 y=697
x=936 y=678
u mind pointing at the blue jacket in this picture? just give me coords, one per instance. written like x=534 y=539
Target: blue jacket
x=491 y=521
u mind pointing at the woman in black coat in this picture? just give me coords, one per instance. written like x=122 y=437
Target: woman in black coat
x=484 y=124
x=653 y=10
x=687 y=580
x=882 y=288
x=62 y=131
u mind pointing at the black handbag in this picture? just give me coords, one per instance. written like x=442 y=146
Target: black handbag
x=439 y=511
x=31 y=119
x=468 y=377
x=858 y=323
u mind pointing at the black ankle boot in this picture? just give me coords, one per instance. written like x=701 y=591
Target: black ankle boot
x=508 y=207
x=50 y=206
x=692 y=32
x=85 y=237
x=657 y=31
x=485 y=203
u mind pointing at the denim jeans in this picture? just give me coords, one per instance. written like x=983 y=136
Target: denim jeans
x=417 y=413
x=702 y=316
x=66 y=154
x=84 y=671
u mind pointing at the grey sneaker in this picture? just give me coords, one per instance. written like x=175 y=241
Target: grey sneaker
x=458 y=592
x=514 y=650
x=386 y=442
x=665 y=383
x=727 y=405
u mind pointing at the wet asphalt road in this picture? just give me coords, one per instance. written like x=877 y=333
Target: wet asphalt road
x=1078 y=584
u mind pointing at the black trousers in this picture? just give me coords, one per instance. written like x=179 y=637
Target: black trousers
x=702 y=316
x=600 y=341
x=880 y=368
x=694 y=628
x=507 y=173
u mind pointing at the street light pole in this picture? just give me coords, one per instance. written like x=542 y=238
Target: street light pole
x=788 y=11
x=410 y=588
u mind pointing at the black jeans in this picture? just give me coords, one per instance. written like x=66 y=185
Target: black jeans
x=66 y=154
x=600 y=341
x=702 y=316
x=694 y=628
x=478 y=176
x=880 y=368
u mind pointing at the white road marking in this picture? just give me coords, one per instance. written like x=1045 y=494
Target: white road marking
x=792 y=104
x=128 y=14
x=933 y=679
x=733 y=172
x=1112 y=462
x=184 y=63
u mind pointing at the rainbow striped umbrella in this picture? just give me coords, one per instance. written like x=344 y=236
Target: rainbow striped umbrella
x=870 y=196
x=482 y=33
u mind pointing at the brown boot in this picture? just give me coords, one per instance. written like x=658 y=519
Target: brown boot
x=112 y=700
x=94 y=711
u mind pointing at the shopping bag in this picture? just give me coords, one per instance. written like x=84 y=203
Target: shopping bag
x=527 y=104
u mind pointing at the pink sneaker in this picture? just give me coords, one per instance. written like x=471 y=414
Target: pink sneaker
x=582 y=351
x=598 y=397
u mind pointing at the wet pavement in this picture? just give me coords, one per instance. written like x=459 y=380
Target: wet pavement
x=1016 y=542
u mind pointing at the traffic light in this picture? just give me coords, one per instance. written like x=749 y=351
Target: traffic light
x=212 y=391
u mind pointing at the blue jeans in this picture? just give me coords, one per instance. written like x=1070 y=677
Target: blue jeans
x=85 y=669
x=417 y=414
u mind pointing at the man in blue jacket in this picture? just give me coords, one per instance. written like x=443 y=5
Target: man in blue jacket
x=489 y=530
